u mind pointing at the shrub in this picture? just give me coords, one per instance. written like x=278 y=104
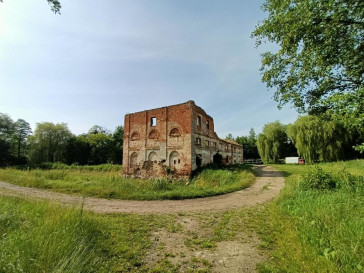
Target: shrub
x=347 y=181
x=318 y=179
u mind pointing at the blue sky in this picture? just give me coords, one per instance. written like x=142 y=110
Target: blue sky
x=99 y=60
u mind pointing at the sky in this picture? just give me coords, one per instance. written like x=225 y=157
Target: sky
x=99 y=60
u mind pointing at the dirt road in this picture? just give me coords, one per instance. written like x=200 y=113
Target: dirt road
x=268 y=184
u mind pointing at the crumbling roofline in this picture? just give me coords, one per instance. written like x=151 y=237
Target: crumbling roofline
x=158 y=108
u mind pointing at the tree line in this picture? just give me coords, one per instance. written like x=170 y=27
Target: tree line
x=314 y=138
x=55 y=143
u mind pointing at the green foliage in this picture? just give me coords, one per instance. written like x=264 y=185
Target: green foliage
x=55 y=6
x=96 y=147
x=21 y=132
x=272 y=141
x=229 y=136
x=101 y=145
x=316 y=138
x=319 y=65
x=160 y=184
x=48 y=142
x=117 y=140
x=311 y=230
x=348 y=110
x=76 y=167
x=41 y=237
x=249 y=143
x=316 y=178
x=13 y=140
x=106 y=181
x=5 y=152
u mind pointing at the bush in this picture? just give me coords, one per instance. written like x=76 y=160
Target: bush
x=347 y=181
x=318 y=179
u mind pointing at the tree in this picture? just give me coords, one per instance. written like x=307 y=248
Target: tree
x=48 y=142
x=6 y=132
x=271 y=142
x=78 y=150
x=21 y=132
x=117 y=140
x=229 y=136
x=316 y=138
x=6 y=126
x=96 y=129
x=250 y=149
x=101 y=145
x=13 y=137
x=5 y=157
x=319 y=66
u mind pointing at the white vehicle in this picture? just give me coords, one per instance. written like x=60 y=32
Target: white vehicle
x=292 y=160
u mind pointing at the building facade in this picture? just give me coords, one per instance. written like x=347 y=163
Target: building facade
x=174 y=139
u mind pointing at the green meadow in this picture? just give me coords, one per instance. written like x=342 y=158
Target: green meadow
x=106 y=181
x=316 y=224
x=44 y=237
x=317 y=227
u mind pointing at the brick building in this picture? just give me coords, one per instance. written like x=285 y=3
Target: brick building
x=176 y=138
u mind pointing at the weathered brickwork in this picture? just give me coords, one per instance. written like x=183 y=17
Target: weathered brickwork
x=173 y=139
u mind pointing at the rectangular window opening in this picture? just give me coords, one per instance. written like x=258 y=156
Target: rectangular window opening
x=153 y=121
x=207 y=124
x=198 y=141
x=207 y=143
x=198 y=121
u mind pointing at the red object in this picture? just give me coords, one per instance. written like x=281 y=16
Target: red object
x=301 y=161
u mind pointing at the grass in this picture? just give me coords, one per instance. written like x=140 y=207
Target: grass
x=312 y=230
x=303 y=230
x=107 y=182
x=43 y=237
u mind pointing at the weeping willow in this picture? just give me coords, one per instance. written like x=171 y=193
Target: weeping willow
x=270 y=142
x=317 y=139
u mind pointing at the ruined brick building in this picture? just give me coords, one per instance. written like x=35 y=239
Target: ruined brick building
x=176 y=138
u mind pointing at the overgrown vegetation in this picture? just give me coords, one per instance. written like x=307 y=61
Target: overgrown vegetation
x=42 y=237
x=317 y=222
x=106 y=181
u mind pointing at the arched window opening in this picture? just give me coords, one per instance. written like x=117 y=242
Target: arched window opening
x=134 y=159
x=135 y=136
x=153 y=134
x=175 y=132
x=153 y=157
x=174 y=159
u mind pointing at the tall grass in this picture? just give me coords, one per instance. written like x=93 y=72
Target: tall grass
x=111 y=184
x=317 y=223
x=42 y=237
x=62 y=166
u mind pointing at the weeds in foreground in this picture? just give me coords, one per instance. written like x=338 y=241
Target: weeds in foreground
x=317 y=223
x=42 y=237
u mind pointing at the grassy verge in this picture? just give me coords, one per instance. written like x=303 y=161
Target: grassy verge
x=312 y=230
x=108 y=183
x=42 y=237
